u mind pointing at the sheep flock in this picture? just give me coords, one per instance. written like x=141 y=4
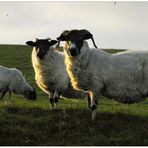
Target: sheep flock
x=80 y=72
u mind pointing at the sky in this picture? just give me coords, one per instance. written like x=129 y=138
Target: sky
x=121 y=24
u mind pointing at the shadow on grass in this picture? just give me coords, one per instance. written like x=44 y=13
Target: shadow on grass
x=72 y=127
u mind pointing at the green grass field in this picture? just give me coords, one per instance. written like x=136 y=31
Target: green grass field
x=24 y=122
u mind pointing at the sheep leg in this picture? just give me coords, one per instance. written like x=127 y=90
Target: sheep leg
x=51 y=95
x=3 y=94
x=56 y=99
x=88 y=99
x=93 y=105
x=10 y=93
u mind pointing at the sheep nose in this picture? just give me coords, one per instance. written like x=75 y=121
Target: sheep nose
x=32 y=95
x=73 y=52
x=41 y=56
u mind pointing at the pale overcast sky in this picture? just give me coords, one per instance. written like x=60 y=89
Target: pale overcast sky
x=120 y=25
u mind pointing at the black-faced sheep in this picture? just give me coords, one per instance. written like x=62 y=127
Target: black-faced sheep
x=50 y=71
x=122 y=76
x=12 y=81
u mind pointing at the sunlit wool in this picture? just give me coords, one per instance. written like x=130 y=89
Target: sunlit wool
x=51 y=75
x=122 y=76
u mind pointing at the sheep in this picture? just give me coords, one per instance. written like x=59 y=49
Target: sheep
x=122 y=76
x=12 y=81
x=50 y=71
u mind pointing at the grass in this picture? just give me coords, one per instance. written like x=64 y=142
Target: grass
x=24 y=122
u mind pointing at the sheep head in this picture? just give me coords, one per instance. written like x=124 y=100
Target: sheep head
x=74 y=39
x=30 y=94
x=42 y=46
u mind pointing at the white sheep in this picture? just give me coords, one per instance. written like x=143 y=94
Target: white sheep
x=12 y=81
x=122 y=76
x=50 y=71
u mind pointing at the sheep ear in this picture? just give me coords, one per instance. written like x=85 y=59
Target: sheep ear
x=85 y=35
x=64 y=36
x=31 y=43
x=52 y=42
x=48 y=39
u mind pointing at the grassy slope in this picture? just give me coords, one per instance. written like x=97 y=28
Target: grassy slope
x=24 y=122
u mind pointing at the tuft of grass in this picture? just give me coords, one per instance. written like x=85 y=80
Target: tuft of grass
x=24 y=123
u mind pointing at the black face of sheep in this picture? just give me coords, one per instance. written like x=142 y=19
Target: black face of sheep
x=42 y=46
x=30 y=95
x=74 y=39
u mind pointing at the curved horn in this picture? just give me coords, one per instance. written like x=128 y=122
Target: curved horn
x=58 y=44
x=94 y=42
x=87 y=35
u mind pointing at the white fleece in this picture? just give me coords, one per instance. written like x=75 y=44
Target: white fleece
x=122 y=76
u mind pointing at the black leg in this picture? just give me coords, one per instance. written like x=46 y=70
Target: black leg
x=88 y=101
x=10 y=93
x=94 y=107
x=3 y=94
x=56 y=98
x=51 y=100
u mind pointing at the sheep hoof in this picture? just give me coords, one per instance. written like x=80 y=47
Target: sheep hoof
x=94 y=114
x=57 y=107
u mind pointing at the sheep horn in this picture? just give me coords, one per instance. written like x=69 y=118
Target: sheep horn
x=93 y=42
x=58 y=44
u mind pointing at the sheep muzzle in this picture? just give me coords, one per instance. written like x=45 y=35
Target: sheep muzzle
x=30 y=95
x=73 y=52
x=40 y=55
